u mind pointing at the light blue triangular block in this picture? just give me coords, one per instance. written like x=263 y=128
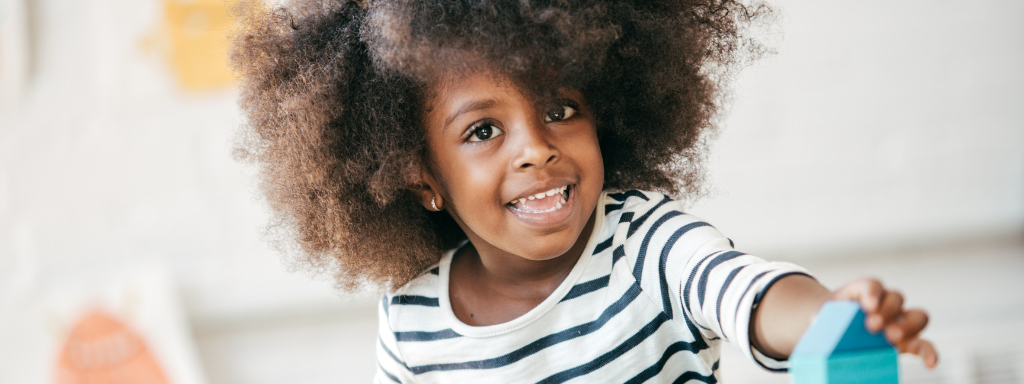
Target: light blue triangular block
x=837 y=349
x=838 y=327
x=869 y=366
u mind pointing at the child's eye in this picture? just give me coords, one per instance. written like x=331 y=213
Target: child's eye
x=566 y=111
x=484 y=131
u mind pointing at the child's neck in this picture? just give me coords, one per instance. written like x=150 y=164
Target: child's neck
x=488 y=286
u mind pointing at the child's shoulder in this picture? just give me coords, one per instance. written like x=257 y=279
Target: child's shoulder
x=424 y=285
x=638 y=202
x=641 y=216
x=421 y=295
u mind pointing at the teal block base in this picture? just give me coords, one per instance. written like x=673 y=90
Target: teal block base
x=873 y=366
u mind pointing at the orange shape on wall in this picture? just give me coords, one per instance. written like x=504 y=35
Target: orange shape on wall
x=198 y=31
x=102 y=350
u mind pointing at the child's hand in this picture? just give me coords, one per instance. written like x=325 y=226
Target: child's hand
x=885 y=312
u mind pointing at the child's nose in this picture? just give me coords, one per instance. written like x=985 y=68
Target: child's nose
x=536 y=149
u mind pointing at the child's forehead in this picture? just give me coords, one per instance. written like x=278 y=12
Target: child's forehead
x=469 y=90
x=455 y=90
x=453 y=86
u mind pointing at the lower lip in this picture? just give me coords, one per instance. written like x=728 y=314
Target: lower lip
x=548 y=219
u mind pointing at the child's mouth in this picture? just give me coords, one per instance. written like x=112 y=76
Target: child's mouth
x=543 y=202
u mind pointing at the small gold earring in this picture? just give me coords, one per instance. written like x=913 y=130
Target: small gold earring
x=432 y=204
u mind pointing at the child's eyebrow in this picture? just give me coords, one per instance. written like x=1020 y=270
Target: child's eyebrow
x=469 y=107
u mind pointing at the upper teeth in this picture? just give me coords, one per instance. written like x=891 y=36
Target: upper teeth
x=542 y=195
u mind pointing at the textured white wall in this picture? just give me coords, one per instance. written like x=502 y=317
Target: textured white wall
x=879 y=124
x=104 y=161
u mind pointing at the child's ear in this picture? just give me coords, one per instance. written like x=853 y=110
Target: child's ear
x=428 y=191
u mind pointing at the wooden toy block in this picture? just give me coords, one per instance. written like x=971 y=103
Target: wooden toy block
x=871 y=366
x=838 y=349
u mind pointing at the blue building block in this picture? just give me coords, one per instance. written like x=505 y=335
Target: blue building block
x=838 y=349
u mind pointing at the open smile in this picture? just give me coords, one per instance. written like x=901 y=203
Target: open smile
x=542 y=202
x=550 y=207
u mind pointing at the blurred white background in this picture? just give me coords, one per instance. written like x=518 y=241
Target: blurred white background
x=885 y=138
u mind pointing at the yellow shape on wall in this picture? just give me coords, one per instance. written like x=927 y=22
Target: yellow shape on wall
x=197 y=32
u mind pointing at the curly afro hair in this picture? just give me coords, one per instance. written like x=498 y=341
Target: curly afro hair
x=334 y=92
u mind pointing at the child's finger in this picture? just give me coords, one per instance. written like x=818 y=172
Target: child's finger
x=907 y=327
x=923 y=348
x=889 y=311
x=867 y=292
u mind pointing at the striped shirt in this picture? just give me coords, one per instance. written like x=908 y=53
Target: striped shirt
x=650 y=300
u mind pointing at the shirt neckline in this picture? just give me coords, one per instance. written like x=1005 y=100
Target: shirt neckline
x=529 y=317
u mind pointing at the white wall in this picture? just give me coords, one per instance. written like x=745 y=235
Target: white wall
x=879 y=124
x=106 y=160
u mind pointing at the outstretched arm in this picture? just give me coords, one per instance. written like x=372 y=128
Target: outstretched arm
x=789 y=306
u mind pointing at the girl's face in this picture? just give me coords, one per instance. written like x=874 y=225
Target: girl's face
x=518 y=180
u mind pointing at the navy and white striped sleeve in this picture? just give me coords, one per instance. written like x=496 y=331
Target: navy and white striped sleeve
x=391 y=367
x=721 y=288
x=690 y=268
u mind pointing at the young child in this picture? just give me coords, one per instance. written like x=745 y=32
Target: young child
x=507 y=170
